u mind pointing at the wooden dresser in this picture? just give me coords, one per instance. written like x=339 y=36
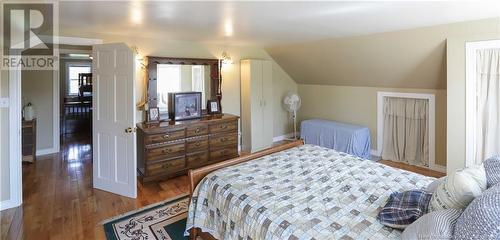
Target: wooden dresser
x=169 y=149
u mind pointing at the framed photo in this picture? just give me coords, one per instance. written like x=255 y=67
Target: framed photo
x=213 y=107
x=184 y=105
x=153 y=115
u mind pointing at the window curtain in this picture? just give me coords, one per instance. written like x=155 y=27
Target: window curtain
x=488 y=104
x=406 y=131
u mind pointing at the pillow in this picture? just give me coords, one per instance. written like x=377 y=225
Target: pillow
x=458 y=189
x=404 y=208
x=434 y=225
x=492 y=168
x=481 y=219
x=434 y=185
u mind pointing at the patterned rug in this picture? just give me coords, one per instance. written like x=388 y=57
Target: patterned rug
x=165 y=220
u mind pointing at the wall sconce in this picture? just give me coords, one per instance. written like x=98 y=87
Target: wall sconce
x=138 y=56
x=226 y=59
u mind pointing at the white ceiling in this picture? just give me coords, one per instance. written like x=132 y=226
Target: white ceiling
x=262 y=23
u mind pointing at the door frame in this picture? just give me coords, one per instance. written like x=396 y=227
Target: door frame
x=470 y=95
x=15 y=118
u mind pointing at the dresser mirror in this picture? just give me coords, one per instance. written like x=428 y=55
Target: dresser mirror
x=170 y=75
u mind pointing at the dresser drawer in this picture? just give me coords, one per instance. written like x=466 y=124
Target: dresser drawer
x=231 y=126
x=222 y=140
x=197 y=144
x=165 y=152
x=223 y=154
x=164 y=167
x=164 y=137
x=197 y=130
x=196 y=159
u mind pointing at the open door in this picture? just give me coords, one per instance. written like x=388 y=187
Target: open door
x=114 y=140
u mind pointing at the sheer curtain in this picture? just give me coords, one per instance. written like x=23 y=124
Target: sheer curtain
x=406 y=130
x=488 y=104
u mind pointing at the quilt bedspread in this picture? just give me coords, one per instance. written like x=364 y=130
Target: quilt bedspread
x=307 y=192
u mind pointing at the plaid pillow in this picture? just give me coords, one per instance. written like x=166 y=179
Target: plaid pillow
x=404 y=208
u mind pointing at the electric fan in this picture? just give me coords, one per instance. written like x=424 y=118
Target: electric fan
x=291 y=103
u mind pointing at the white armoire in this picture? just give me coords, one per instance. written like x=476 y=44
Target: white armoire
x=256 y=104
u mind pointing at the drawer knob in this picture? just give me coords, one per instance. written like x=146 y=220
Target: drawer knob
x=223 y=139
x=223 y=126
x=168 y=150
x=166 y=136
x=197 y=144
x=197 y=130
x=166 y=165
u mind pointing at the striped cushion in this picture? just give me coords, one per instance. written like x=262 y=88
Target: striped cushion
x=481 y=219
x=492 y=168
x=404 y=208
x=434 y=225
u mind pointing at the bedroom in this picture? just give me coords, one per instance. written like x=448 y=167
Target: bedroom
x=338 y=63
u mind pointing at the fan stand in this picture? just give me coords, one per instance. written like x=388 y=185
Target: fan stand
x=294 y=116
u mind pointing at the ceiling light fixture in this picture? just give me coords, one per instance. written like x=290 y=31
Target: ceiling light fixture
x=136 y=13
x=228 y=28
x=79 y=55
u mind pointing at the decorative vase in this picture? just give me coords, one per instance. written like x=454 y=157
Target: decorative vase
x=29 y=113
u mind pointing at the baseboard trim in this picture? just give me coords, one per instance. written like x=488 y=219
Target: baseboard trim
x=439 y=168
x=283 y=137
x=46 y=151
x=7 y=204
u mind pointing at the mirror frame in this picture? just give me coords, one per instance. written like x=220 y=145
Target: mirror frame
x=215 y=75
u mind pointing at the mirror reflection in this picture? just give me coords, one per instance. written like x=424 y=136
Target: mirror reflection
x=182 y=78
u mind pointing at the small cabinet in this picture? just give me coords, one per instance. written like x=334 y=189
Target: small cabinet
x=29 y=140
x=169 y=149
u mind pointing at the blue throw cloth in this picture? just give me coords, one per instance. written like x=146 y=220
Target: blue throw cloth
x=404 y=208
x=343 y=137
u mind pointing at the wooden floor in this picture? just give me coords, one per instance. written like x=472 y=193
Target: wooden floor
x=60 y=203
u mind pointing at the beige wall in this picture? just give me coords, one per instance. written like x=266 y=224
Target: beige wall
x=4 y=140
x=456 y=87
x=358 y=105
x=414 y=58
x=230 y=73
x=37 y=87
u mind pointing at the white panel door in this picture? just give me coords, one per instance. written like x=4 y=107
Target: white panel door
x=114 y=141
x=267 y=108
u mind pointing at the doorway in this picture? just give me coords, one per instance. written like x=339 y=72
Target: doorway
x=75 y=78
x=482 y=101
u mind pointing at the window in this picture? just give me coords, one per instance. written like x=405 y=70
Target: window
x=198 y=81
x=169 y=80
x=73 y=71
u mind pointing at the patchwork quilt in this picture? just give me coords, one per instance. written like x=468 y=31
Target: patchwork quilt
x=307 y=192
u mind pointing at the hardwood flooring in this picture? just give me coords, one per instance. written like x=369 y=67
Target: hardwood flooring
x=60 y=203
x=411 y=168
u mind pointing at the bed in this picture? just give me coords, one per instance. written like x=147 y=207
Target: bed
x=295 y=192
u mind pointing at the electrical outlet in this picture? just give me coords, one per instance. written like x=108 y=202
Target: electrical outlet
x=4 y=102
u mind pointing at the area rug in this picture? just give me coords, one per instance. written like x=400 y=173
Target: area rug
x=164 y=220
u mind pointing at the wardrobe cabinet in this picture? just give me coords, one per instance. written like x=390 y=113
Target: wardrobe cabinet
x=256 y=104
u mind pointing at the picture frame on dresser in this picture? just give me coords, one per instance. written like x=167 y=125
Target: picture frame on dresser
x=153 y=115
x=213 y=107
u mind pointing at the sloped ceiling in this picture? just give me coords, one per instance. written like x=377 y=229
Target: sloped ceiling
x=261 y=23
x=402 y=59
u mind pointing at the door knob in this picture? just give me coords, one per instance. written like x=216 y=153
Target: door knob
x=130 y=130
